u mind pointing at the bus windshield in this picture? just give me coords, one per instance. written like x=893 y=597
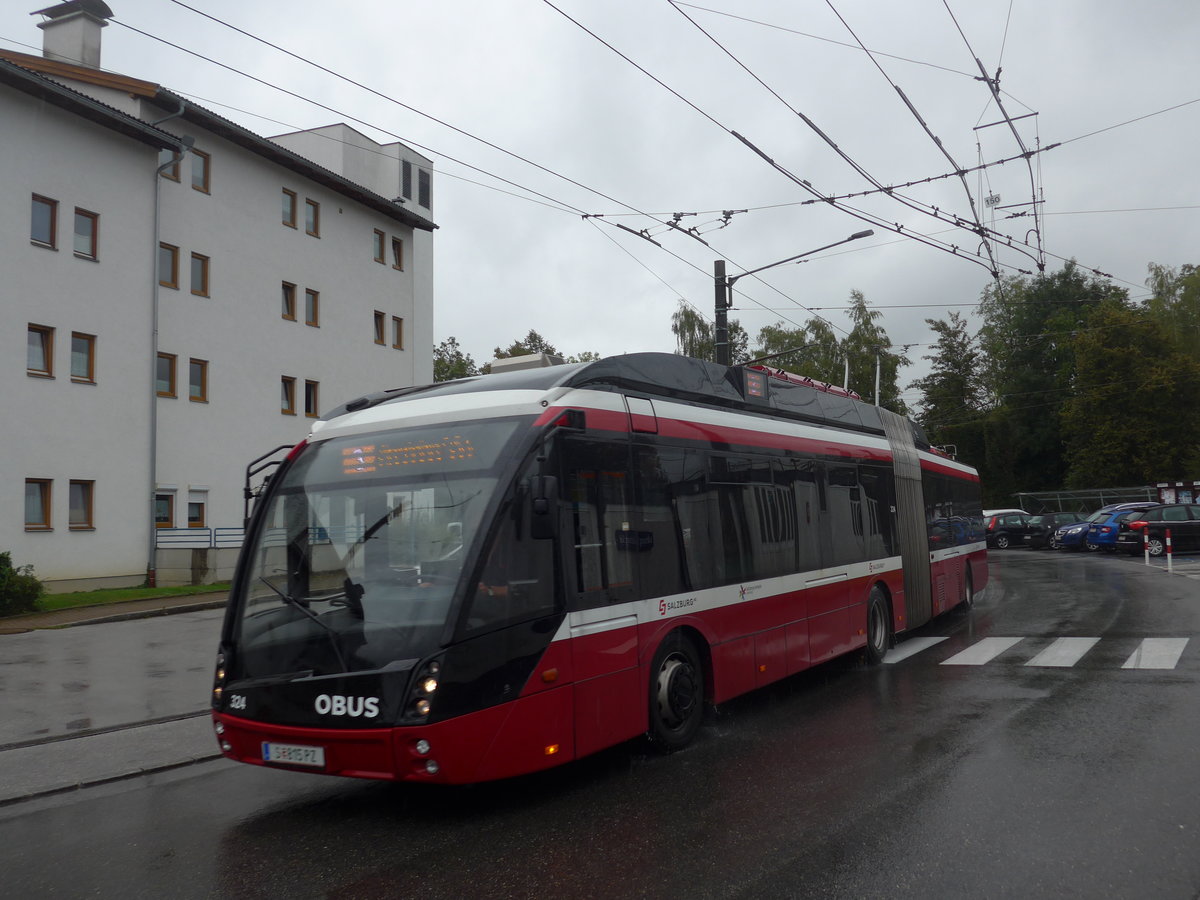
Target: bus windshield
x=358 y=552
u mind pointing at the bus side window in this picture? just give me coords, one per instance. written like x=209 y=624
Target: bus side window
x=659 y=550
x=517 y=581
x=599 y=499
x=846 y=521
x=695 y=510
x=878 y=511
x=799 y=477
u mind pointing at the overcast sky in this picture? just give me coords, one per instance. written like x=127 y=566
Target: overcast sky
x=611 y=141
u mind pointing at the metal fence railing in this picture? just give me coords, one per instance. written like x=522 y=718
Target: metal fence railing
x=198 y=538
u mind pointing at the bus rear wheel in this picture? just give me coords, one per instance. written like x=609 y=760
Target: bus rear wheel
x=676 y=693
x=879 y=626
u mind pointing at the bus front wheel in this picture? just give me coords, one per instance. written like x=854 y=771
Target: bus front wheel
x=676 y=693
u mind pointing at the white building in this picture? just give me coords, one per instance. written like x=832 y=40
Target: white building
x=191 y=295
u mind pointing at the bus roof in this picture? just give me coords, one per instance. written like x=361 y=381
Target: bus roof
x=671 y=376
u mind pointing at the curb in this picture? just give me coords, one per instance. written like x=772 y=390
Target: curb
x=115 y=612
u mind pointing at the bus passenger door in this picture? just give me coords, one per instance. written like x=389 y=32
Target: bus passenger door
x=602 y=543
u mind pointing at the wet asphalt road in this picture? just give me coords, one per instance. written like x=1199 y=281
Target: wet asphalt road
x=945 y=773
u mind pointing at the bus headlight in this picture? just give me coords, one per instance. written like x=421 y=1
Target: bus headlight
x=219 y=675
x=425 y=685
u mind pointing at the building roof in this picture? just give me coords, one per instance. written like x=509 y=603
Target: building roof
x=20 y=77
x=34 y=70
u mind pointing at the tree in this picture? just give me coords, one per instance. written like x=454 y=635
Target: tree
x=868 y=346
x=1126 y=422
x=1029 y=371
x=695 y=336
x=531 y=343
x=450 y=362
x=1176 y=304
x=815 y=350
x=951 y=394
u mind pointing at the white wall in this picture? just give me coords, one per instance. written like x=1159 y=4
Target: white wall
x=240 y=330
x=53 y=428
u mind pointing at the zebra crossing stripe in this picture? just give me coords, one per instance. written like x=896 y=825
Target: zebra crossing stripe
x=1156 y=653
x=1064 y=652
x=911 y=647
x=982 y=652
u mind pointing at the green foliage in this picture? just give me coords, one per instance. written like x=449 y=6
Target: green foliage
x=1176 y=305
x=953 y=391
x=815 y=351
x=1029 y=371
x=450 y=362
x=19 y=589
x=531 y=343
x=696 y=337
x=1128 y=423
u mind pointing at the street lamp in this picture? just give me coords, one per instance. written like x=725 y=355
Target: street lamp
x=724 y=290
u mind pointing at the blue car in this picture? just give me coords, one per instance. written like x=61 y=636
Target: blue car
x=1102 y=533
x=1075 y=536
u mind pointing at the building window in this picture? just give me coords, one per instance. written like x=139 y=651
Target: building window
x=406 y=179
x=164 y=378
x=196 y=514
x=199 y=275
x=310 y=399
x=424 y=189
x=198 y=380
x=39 y=354
x=312 y=217
x=380 y=328
x=200 y=170
x=312 y=308
x=43 y=226
x=287 y=402
x=289 y=208
x=164 y=510
x=83 y=358
x=397 y=332
x=379 y=243
x=80 y=515
x=37 y=504
x=397 y=253
x=289 y=301
x=87 y=230
x=172 y=171
x=168 y=265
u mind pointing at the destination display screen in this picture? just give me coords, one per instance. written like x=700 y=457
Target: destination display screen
x=384 y=455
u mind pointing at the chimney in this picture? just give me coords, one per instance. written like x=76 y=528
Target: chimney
x=71 y=32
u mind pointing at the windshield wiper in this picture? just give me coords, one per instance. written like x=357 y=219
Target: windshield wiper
x=303 y=607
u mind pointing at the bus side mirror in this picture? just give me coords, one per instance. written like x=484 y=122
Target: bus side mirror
x=543 y=506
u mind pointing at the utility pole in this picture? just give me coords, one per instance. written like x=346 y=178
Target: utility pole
x=723 y=289
x=721 y=310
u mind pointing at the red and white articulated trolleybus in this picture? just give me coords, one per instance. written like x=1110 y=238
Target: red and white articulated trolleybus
x=487 y=577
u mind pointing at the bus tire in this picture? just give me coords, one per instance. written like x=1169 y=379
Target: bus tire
x=968 y=591
x=676 y=693
x=879 y=626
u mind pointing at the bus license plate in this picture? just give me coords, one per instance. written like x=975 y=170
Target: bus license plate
x=293 y=754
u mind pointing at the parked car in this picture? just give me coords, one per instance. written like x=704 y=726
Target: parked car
x=1075 y=535
x=1005 y=527
x=1041 y=529
x=1102 y=533
x=1182 y=519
